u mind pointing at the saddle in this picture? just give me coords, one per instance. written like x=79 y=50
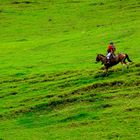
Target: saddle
x=112 y=57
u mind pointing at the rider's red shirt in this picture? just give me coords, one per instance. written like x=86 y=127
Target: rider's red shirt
x=110 y=48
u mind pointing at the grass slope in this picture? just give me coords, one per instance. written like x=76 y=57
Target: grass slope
x=50 y=87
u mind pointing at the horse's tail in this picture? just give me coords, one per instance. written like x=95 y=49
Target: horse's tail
x=127 y=57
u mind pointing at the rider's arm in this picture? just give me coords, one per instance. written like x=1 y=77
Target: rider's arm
x=114 y=48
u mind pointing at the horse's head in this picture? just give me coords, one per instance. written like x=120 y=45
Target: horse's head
x=98 y=58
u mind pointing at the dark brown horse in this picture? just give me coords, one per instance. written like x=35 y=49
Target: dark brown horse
x=119 y=58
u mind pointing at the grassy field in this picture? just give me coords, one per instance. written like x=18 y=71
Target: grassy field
x=50 y=87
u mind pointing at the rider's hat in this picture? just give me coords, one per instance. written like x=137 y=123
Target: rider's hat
x=111 y=43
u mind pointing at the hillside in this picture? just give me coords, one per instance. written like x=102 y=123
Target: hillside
x=50 y=86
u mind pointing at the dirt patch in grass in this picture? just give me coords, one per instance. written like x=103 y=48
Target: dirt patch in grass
x=9 y=94
x=37 y=98
x=74 y=117
x=83 y=90
x=132 y=109
x=22 y=2
x=59 y=101
x=105 y=106
x=94 y=4
x=137 y=65
x=74 y=1
x=78 y=124
x=97 y=85
x=50 y=105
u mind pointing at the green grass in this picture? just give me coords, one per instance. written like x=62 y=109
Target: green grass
x=50 y=87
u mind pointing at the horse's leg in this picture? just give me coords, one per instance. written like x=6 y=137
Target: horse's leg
x=122 y=67
x=106 y=71
x=127 y=66
x=124 y=62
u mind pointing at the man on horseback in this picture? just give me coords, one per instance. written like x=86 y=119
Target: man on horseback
x=110 y=50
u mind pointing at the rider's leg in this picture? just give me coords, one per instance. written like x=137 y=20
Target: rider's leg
x=113 y=55
x=108 y=55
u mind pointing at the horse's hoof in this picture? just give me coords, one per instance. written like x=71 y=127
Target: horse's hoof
x=104 y=75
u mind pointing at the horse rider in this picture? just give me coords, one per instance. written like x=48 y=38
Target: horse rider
x=110 y=51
